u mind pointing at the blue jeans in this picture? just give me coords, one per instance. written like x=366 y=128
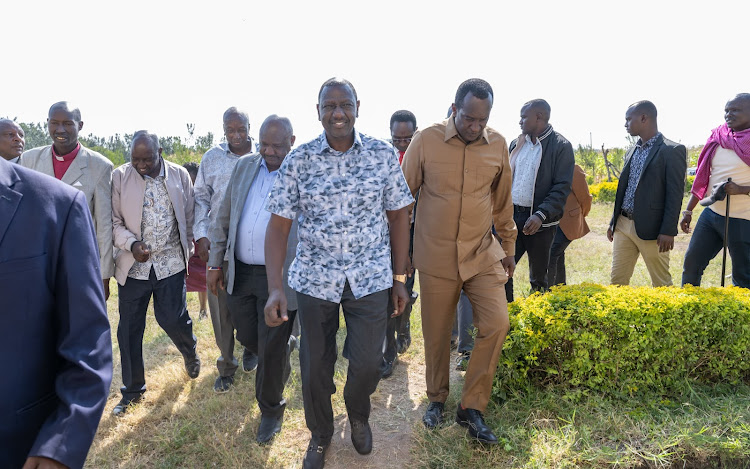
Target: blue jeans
x=708 y=240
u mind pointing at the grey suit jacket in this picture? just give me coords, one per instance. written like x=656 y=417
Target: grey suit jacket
x=91 y=173
x=224 y=232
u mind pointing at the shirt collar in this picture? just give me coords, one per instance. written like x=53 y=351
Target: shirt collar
x=324 y=146
x=650 y=141
x=68 y=156
x=451 y=131
x=225 y=146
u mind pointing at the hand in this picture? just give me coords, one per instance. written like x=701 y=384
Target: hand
x=105 y=283
x=38 y=462
x=204 y=246
x=685 y=222
x=509 y=264
x=275 y=310
x=610 y=234
x=215 y=280
x=735 y=189
x=532 y=225
x=399 y=297
x=665 y=242
x=140 y=251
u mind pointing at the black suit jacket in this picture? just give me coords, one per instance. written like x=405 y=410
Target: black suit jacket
x=658 y=197
x=55 y=342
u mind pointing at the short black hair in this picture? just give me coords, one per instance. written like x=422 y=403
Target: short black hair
x=742 y=97
x=540 y=104
x=335 y=81
x=404 y=116
x=645 y=107
x=477 y=87
x=68 y=107
x=192 y=168
x=233 y=111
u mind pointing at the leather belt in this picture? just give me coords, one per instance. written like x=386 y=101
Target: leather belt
x=520 y=209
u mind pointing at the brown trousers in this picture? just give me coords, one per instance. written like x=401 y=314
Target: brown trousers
x=439 y=296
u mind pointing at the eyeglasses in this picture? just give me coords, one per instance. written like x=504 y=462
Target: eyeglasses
x=402 y=140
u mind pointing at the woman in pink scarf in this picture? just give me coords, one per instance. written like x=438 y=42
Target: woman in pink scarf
x=726 y=154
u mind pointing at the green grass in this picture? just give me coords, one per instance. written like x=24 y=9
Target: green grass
x=183 y=423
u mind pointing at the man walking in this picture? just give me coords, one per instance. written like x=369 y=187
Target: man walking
x=152 y=208
x=542 y=162
x=240 y=231
x=210 y=187
x=351 y=198
x=461 y=168
x=726 y=155
x=648 y=200
x=86 y=170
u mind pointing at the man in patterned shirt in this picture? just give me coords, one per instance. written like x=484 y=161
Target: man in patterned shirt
x=210 y=186
x=152 y=215
x=648 y=201
x=351 y=198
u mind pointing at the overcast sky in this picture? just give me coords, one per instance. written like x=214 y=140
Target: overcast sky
x=160 y=65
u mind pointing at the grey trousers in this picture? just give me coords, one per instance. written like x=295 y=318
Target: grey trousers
x=223 y=329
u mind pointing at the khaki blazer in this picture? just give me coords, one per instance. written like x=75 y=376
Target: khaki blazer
x=223 y=233
x=91 y=173
x=128 y=190
x=573 y=222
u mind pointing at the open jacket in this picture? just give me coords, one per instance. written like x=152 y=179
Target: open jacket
x=128 y=190
x=554 y=176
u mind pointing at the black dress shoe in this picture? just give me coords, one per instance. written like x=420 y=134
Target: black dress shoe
x=268 y=428
x=249 y=361
x=361 y=436
x=433 y=416
x=315 y=456
x=223 y=383
x=193 y=366
x=125 y=404
x=402 y=343
x=474 y=421
x=386 y=369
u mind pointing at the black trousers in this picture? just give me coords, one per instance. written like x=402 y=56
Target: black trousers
x=537 y=246
x=245 y=304
x=556 y=270
x=170 y=310
x=366 y=319
x=400 y=325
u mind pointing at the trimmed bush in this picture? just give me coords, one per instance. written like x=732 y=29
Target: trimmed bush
x=689 y=183
x=604 y=191
x=626 y=340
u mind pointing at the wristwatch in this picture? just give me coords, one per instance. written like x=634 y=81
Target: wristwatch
x=400 y=278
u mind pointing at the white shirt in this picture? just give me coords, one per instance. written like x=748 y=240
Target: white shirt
x=726 y=164
x=525 y=167
x=251 y=229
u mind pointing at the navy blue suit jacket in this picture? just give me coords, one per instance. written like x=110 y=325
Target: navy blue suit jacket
x=55 y=342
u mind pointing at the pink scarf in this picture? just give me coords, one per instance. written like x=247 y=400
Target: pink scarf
x=723 y=137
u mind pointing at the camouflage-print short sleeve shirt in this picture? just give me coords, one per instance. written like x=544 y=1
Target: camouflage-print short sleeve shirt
x=341 y=198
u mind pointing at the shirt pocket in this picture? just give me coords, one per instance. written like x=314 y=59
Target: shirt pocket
x=483 y=180
x=441 y=178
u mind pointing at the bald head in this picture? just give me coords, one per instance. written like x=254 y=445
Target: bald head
x=12 y=139
x=276 y=140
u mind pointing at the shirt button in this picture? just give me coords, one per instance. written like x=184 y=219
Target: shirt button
x=459 y=241
x=466 y=171
x=464 y=194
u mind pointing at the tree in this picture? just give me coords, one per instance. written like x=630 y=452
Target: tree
x=36 y=135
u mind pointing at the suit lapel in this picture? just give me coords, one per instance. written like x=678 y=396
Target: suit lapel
x=76 y=169
x=9 y=199
x=44 y=165
x=651 y=153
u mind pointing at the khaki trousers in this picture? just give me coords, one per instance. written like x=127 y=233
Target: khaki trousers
x=625 y=250
x=439 y=296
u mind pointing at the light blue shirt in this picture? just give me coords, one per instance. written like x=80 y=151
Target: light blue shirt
x=251 y=229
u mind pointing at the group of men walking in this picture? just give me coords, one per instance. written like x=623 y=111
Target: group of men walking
x=329 y=226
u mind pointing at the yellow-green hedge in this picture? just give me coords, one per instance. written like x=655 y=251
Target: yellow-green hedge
x=624 y=340
x=604 y=191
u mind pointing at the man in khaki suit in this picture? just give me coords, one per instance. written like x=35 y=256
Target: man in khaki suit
x=86 y=170
x=572 y=226
x=462 y=169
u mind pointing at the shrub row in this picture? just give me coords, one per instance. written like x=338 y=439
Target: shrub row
x=626 y=340
x=604 y=191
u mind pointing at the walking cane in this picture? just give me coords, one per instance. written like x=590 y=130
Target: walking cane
x=726 y=233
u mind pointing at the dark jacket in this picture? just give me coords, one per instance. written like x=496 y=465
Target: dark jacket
x=55 y=343
x=554 y=177
x=658 y=197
